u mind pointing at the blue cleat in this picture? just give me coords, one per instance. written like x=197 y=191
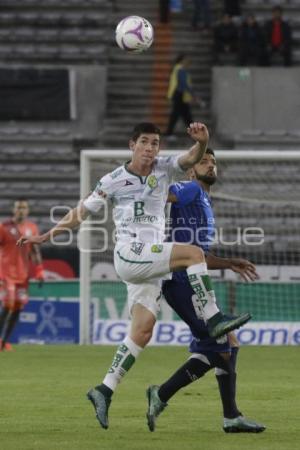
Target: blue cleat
x=101 y=405
x=223 y=324
x=242 y=425
x=155 y=406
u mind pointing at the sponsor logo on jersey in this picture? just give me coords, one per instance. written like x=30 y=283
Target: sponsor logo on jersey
x=128 y=183
x=140 y=219
x=146 y=219
x=152 y=181
x=156 y=248
x=137 y=247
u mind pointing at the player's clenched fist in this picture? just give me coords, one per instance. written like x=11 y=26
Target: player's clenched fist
x=199 y=132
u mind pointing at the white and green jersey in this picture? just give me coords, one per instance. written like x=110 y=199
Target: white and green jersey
x=138 y=202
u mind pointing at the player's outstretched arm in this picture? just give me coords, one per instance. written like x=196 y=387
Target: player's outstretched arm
x=199 y=133
x=70 y=221
x=243 y=267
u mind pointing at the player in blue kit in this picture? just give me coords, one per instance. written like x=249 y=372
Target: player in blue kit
x=192 y=221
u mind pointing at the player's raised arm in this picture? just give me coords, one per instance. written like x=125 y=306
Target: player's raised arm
x=199 y=132
x=70 y=221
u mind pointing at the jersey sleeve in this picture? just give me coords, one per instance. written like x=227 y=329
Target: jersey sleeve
x=184 y=192
x=103 y=190
x=170 y=165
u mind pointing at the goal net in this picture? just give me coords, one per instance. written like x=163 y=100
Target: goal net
x=256 y=202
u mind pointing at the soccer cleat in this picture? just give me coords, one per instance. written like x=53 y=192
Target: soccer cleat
x=226 y=324
x=6 y=346
x=155 y=406
x=101 y=405
x=242 y=425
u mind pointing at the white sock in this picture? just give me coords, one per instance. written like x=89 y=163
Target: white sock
x=123 y=360
x=202 y=286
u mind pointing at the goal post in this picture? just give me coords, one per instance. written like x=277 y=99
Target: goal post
x=256 y=202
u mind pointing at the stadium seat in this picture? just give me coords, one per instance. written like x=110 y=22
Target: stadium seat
x=58 y=131
x=40 y=168
x=294 y=133
x=33 y=130
x=275 y=133
x=67 y=168
x=252 y=133
x=23 y=34
x=46 y=52
x=28 y=18
x=5 y=34
x=46 y=186
x=7 y=18
x=5 y=204
x=9 y=131
x=95 y=51
x=61 y=151
x=69 y=51
x=25 y=51
x=7 y=52
x=12 y=151
x=47 y=34
x=50 y=19
x=14 y=168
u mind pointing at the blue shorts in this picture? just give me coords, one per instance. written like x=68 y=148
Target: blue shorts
x=180 y=297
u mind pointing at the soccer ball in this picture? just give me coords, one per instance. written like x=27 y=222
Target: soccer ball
x=134 y=34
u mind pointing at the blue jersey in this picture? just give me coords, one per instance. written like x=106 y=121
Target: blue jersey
x=191 y=218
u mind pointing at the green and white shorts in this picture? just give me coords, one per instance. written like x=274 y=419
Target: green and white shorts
x=142 y=265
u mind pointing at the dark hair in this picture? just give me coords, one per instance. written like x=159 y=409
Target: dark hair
x=210 y=151
x=21 y=199
x=180 y=57
x=144 y=127
x=277 y=8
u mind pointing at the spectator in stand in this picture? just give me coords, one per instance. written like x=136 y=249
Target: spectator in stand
x=225 y=38
x=278 y=37
x=251 y=43
x=180 y=93
x=201 y=13
x=232 y=8
x=164 y=11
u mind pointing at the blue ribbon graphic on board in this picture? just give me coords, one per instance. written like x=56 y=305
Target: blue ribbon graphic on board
x=47 y=312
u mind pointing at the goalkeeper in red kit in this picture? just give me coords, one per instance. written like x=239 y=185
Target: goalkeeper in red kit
x=15 y=263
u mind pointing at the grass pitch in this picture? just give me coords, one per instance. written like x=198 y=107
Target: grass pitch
x=43 y=403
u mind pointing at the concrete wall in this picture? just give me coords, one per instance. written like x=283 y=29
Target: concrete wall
x=266 y=99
